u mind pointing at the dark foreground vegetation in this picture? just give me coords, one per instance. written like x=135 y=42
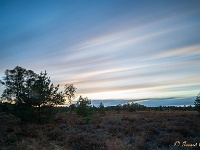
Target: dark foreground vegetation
x=30 y=119
x=114 y=130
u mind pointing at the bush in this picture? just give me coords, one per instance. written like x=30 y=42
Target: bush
x=102 y=109
x=30 y=114
x=83 y=107
x=88 y=120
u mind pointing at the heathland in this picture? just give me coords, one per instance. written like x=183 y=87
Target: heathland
x=113 y=130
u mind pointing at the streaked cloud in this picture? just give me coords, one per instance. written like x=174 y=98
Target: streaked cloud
x=108 y=50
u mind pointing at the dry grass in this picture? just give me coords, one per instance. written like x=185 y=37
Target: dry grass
x=124 y=130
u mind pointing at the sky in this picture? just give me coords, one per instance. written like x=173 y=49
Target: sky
x=111 y=50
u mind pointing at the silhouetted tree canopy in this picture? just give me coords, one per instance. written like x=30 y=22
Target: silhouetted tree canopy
x=197 y=102
x=83 y=106
x=69 y=92
x=18 y=83
x=31 y=95
x=26 y=87
x=43 y=92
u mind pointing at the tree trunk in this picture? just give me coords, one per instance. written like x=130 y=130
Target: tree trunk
x=39 y=114
x=70 y=108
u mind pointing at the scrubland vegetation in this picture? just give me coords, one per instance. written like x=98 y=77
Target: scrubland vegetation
x=114 y=130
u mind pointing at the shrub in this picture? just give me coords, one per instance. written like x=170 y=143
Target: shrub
x=83 y=107
x=101 y=109
x=88 y=120
x=34 y=115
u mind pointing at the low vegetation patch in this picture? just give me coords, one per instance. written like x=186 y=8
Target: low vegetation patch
x=127 y=130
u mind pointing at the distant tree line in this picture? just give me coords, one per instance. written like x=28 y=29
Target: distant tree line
x=132 y=107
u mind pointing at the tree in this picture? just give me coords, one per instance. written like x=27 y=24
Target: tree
x=101 y=109
x=83 y=106
x=44 y=93
x=26 y=87
x=30 y=91
x=17 y=83
x=69 y=92
x=197 y=102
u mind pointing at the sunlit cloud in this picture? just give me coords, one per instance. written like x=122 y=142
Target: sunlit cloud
x=185 y=51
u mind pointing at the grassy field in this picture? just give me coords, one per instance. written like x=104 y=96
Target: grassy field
x=113 y=131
